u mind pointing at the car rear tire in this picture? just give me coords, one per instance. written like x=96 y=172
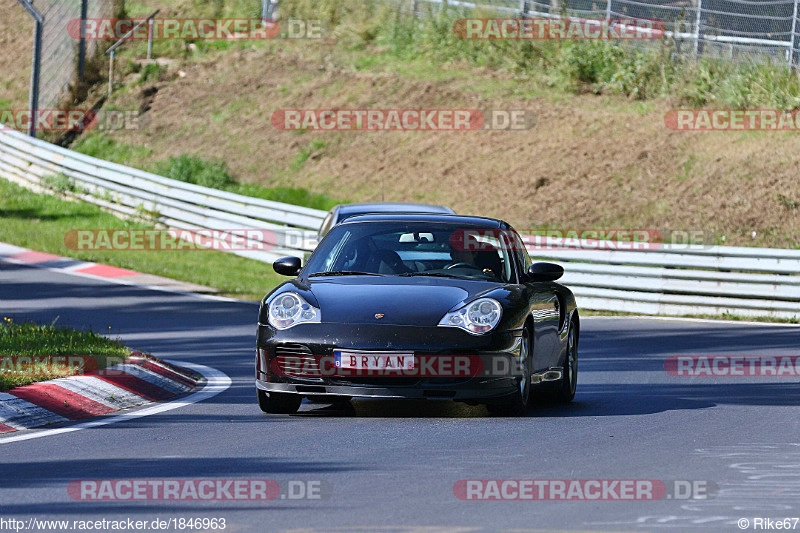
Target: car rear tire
x=279 y=403
x=516 y=404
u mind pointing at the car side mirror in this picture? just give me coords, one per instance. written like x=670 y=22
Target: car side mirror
x=288 y=266
x=545 y=272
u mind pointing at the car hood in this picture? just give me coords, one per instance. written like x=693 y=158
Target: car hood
x=416 y=301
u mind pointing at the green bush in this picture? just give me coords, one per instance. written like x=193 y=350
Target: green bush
x=192 y=169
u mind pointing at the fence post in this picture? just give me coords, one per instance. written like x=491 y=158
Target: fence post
x=267 y=8
x=37 y=64
x=794 y=31
x=608 y=11
x=697 y=32
x=111 y=73
x=35 y=76
x=82 y=45
x=524 y=8
x=150 y=39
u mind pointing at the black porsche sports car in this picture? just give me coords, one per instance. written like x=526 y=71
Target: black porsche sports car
x=418 y=306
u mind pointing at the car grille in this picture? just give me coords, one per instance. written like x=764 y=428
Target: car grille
x=376 y=381
x=295 y=361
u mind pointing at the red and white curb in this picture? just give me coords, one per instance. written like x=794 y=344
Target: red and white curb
x=137 y=381
x=215 y=382
x=121 y=276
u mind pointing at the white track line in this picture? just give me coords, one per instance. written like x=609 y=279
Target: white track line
x=4 y=257
x=216 y=382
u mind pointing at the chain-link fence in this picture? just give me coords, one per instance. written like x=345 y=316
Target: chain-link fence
x=60 y=51
x=57 y=55
x=730 y=29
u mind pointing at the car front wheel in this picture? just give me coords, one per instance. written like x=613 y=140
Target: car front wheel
x=517 y=403
x=279 y=403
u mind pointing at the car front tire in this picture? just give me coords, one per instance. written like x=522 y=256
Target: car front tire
x=279 y=403
x=517 y=403
x=563 y=391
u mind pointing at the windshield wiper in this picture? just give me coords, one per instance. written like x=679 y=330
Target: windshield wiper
x=343 y=273
x=430 y=274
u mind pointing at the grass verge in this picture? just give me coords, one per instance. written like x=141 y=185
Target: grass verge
x=22 y=210
x=44 y=345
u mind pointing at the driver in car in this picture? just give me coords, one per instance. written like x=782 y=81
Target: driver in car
x=462 y=256
x=484 y=260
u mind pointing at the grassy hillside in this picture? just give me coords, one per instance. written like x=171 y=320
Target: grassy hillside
x=600 y=154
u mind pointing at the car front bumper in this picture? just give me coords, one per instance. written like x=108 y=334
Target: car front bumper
x=497 y=350
x=497 y=389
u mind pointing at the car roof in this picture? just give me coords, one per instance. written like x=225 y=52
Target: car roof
x=390 y=207
x=466 y=220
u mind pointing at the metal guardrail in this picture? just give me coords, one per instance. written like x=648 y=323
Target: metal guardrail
x=134 y=193
x=674 y=280
x=683 y=280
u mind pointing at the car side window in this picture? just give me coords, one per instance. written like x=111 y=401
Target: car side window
x=521 y=253
x=326 y=224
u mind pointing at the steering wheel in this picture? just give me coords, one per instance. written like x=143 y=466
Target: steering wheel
x=462 y=265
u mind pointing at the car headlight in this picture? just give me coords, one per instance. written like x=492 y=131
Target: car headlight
x=289 y=309
x=478 y=317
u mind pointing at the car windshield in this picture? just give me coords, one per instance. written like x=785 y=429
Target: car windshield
x=412 y=249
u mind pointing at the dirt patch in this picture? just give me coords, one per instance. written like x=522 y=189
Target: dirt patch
x=590 y=161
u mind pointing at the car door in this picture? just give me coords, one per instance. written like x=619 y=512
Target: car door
x=544 y=308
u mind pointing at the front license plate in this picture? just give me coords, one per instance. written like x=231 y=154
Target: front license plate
x=373 y=361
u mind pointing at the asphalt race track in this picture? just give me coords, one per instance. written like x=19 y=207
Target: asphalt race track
x=391 y=466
